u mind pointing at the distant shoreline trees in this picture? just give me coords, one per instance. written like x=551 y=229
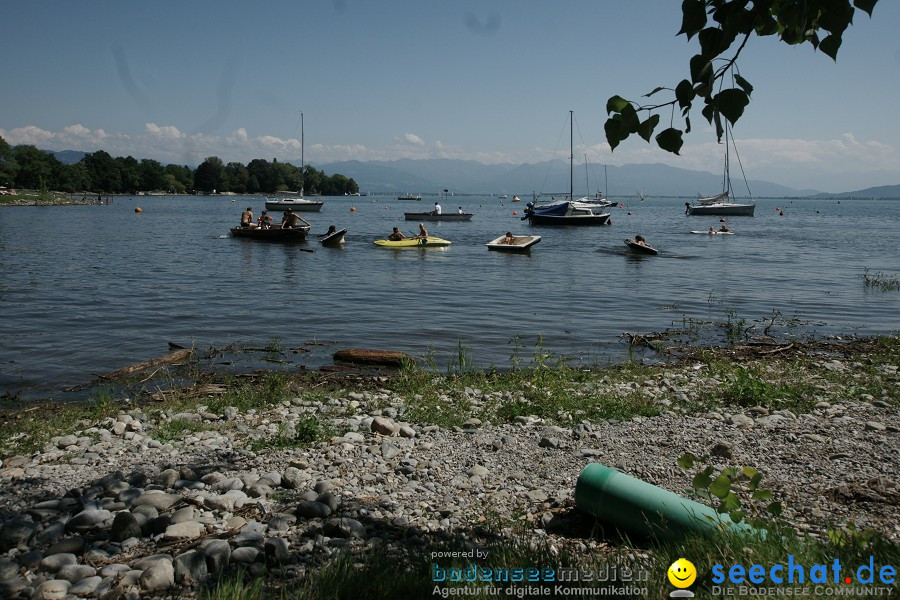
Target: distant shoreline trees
x=26 y=166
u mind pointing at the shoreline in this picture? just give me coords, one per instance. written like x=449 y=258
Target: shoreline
x=309 y=468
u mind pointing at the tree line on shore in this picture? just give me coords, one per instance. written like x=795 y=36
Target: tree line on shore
x=26 y=166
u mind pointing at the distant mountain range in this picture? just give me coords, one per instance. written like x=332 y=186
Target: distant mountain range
x=432 y=176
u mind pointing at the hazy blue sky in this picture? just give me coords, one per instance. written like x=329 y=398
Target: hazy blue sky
x=489 y=80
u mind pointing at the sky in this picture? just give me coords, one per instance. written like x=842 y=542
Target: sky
x=485 y=80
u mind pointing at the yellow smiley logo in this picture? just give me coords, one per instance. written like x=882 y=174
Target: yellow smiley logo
x=682 y=573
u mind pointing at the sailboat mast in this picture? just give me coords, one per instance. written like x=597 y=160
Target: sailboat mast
x=571 y=154
x=302 y=164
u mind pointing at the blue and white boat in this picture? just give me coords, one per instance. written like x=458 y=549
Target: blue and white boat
x=567 y=211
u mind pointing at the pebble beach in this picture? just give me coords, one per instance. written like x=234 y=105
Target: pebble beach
x=114 y=510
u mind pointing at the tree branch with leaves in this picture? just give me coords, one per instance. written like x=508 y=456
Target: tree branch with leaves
x=724 y=27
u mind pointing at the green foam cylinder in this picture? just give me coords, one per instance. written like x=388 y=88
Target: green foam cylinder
x=643 y=509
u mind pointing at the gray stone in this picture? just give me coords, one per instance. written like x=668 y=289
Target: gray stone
x=16 y=532
x=549 y=442
x=149 y=561
x=329 y=500
x=158 y=500
x=54 y=562
x=742 y=421
x=722 y=450
x=86 y=587
x=345 y=527
x=31 y=559
x=293 y=478
x=244 y=555
x=188 y=513
x=478 y=471
x=190 y=567
x=10 y=588
x=167 y=478
x=188 y=530
x=875 y=426
x=160 y=576
x=383 y=425
x=55 y=589
x=124 y=526
x=87 y=520
x=75 y=573
x=9 y=569
x=389 y=451
x=312 y=510
x=74 y=544
x=218 y=555
x=277 y=551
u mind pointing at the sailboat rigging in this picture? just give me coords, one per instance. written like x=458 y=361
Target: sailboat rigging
x=719 y=205
x=568 y=211
x=298 y=203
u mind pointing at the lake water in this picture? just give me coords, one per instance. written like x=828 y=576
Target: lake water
x=90 y=289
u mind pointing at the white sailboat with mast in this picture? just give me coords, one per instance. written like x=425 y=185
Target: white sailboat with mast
x=568 y=211
x=720 y=205
x=297 y=203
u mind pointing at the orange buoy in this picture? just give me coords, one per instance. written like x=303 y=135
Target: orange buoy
x=138 y=209
x=515 y=213
x=352 y=209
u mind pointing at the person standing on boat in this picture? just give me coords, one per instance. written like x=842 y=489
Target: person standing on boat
x=247 y=218
x=437 y=209
x=396 y=235
x=292 y=220
x=423 y=233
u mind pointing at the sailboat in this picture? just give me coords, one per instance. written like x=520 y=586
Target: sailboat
x=720 y=205
x=567 y=211
x=298 y=202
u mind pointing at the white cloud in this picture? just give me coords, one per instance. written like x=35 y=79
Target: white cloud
x=413 y=139
x=820 y=164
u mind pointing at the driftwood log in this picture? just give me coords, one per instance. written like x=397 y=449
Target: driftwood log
x=388 y=358
x=166 y=359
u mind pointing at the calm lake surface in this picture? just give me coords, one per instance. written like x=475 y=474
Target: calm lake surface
x=90 y=289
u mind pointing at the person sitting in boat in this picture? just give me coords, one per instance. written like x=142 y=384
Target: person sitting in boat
x=265 y=221
x=423 y=233
x=437 y=209
x=460 y=210
x=291 y=220
x=711 y=231
x=724 y=228
x=639 y=239
x=509 y=238
x=247 y=218
x=331 y=229
x=396 y=235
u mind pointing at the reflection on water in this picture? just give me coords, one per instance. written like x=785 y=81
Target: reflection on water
x=105 y=287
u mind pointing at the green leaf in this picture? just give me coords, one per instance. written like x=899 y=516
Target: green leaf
x=730 y=503
x=865 y=5
x=693 y=17
x=731 y=103
x=687 y=124
x=830 y=45
x=721 y=487
x=616 y=104
x=684 y=93
x=737 y=515
x=655 y=90
x=630 y=119
x=701 y=69
x=670 y=140
x=615 y=131
x=774 y=509
x=710 y=42
x=646 y=128
x=762 y=495
x=687 y=460
x=745 y=85
x=750 y=472
x=701 y=481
